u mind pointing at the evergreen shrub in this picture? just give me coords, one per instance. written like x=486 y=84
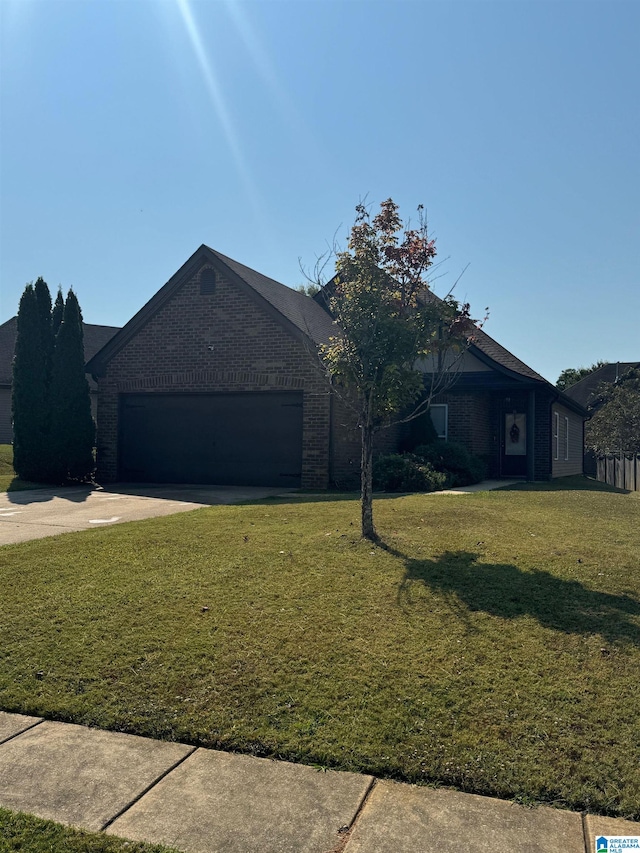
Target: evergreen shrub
x=394 y=472
x=454 y=460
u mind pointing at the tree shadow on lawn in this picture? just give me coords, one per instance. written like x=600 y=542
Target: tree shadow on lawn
x=506 y=591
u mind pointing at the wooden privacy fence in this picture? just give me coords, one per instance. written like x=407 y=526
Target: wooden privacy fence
x=621 y=470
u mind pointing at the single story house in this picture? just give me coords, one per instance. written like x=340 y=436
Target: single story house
x=95 y=337
x=586 y=391
x=216 y=380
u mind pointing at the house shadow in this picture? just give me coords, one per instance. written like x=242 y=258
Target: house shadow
x=504 y=590
x=21 y=493
x=576 y=483
x=199 y=493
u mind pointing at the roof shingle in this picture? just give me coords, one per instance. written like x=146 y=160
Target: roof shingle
x=95 y=337
x=297 y=307
x=582 y=392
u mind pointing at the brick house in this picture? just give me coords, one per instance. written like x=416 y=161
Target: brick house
x=505 y=412
x=95 y=337
x=216 y=380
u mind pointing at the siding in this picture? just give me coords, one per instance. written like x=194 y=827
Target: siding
x=6 y=431
x=562 y=467
x=469 y=363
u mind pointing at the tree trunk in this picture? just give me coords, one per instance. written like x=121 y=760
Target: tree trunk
x=366 y=478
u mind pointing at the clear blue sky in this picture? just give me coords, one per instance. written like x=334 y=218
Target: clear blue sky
x=132 y=131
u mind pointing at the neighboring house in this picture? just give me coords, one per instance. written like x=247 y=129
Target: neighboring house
x=216 y=380
x=586 y=390
x=585 y=393
x=95 y=337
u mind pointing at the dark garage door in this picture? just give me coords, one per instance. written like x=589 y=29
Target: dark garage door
x=226 y=439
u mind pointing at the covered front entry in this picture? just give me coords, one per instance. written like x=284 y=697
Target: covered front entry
x=224 y=439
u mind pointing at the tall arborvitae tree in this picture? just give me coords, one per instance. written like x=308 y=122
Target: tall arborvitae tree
x=45 y=336
x=27 y=388
x=57 y=313
x=31 y=376
x=72 y=427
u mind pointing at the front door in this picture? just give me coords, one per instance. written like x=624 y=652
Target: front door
x=514 y=445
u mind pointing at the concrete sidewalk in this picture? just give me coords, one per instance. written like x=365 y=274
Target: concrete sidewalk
x=484 y=486
x=206 y=801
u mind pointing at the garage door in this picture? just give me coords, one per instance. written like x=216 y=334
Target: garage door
x=226 y=439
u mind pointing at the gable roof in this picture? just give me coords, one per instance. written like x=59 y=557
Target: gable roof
x=296 y=311
x=95 y=337
x=483 y=345
x=494 y=354
x=307 y=318
x=585 y=389
x=297 y=307
x=485 y=348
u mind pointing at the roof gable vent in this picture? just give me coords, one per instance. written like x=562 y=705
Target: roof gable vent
x=208 y=280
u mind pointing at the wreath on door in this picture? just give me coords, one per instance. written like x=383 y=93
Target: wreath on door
x=514 y=432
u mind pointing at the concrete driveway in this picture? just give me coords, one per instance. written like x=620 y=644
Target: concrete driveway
x=36 y=513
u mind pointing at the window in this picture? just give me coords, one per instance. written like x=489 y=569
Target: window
x=439 y=418
x=556 y=435
x=566 y=438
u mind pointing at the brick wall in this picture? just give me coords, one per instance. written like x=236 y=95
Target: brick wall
x=215 y=343
x=542 y=465
x=473 y=421
x=228 y=342
x=346 y=443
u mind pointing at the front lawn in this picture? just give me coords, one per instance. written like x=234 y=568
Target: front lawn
x=8 y=480
x=494 y=645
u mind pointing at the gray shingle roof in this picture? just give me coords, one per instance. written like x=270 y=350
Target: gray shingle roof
x=584 y=390
x=308 y=316
x=482 y=342
x=503 y=357
x=298 y=308
x=483 y=346
x=95 y=337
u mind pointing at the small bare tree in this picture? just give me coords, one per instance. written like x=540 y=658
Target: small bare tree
x=391 y=330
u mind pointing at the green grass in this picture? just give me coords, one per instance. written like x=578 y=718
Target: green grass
x=8 y=480
x=27 y=834
x=493 y=645
x=562 y=484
